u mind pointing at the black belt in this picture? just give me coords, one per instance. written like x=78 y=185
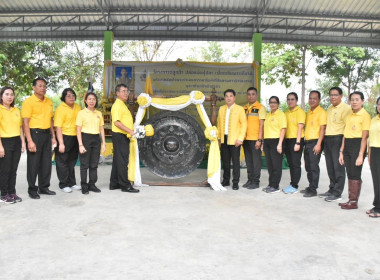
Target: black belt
x=333 y=136
x=38 y=130
x=311 y=140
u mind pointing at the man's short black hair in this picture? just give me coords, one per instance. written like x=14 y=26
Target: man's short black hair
x=38 y=79
x=340 y=91
x=119 y=86
x=252 y=88
x=229 y=90
x=316 y=91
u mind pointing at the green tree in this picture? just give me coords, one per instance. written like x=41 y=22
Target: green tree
x=80 y=60
x=282 y=63
x=22 y=62
x=346 y=66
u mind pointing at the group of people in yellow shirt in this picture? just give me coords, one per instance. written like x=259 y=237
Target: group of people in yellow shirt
x=71 y=132
x=343 y=132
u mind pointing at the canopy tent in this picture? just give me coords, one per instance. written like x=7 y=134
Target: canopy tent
x=323 y=22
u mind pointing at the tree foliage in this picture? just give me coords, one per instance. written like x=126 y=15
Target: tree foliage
x=22 y=62
x=350 y=67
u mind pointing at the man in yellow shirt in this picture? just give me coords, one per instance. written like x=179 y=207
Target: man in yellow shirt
x=122 y=130
x=315 y=128
x=336 y=122
x=254 y=138
x=37 y=112
x=232 y=127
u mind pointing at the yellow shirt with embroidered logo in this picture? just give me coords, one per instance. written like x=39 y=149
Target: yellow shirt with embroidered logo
x=293 y=118
x=90 y=121
x=40 y=112
x=374 y=132
x=273 y=124
x=121 y=113
x=336 y=119
x=254 y=112
x=10 y=122
x=356 y=123
x=65 y=118
x=314 y=120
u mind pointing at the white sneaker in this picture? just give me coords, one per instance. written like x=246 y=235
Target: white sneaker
x=67 y=190
x=76 y=187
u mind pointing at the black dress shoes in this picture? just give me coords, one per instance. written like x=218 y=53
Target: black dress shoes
x=235 y=187
x=46 y=191
x=246 y=185
x=253 y=186
x=130 y=189
x=85 y=189
x=34 y=195
x=93 y=188
x=225 y=183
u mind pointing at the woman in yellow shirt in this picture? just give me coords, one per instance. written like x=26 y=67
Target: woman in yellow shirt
x=274 y=133
x=294 y=142
x=66 y=153
x=90 y=131
x=374 y=160
x=353 y=149
x=12 y=143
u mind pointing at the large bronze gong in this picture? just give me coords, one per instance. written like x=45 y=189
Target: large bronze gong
x=177 y=147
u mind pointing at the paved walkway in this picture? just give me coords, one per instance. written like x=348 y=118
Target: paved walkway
x=187 y=233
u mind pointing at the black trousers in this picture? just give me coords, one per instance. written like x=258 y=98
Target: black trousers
x=39 y=163
x=9 y=164
x=375 y=170
x=90 y=159
x=119 y=172
x=253 y=161
x=336 y=172
x=294 y=160
x=350 y=154
x=312 y=164
x=274 y=162
x=65 y=163
x=230 y=152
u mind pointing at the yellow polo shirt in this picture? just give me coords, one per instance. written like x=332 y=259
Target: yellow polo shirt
x=314 y=120
x=356 y=123
x=293 y=118
x=90 y=121
x=273 y=124
x=65 y=117
x=120 y=112
x=336 y=119
x=10 y=122
x=374 y=132
x=254 y=113
x=40 y=112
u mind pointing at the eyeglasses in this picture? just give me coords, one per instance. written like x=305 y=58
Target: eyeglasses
x=334 y=95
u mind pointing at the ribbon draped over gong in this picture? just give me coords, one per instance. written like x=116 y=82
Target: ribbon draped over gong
x=174 y=104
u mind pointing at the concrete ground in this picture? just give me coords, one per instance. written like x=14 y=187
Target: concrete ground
x=187 y=233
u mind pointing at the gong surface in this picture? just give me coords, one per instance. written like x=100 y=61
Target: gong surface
x=177 y=146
